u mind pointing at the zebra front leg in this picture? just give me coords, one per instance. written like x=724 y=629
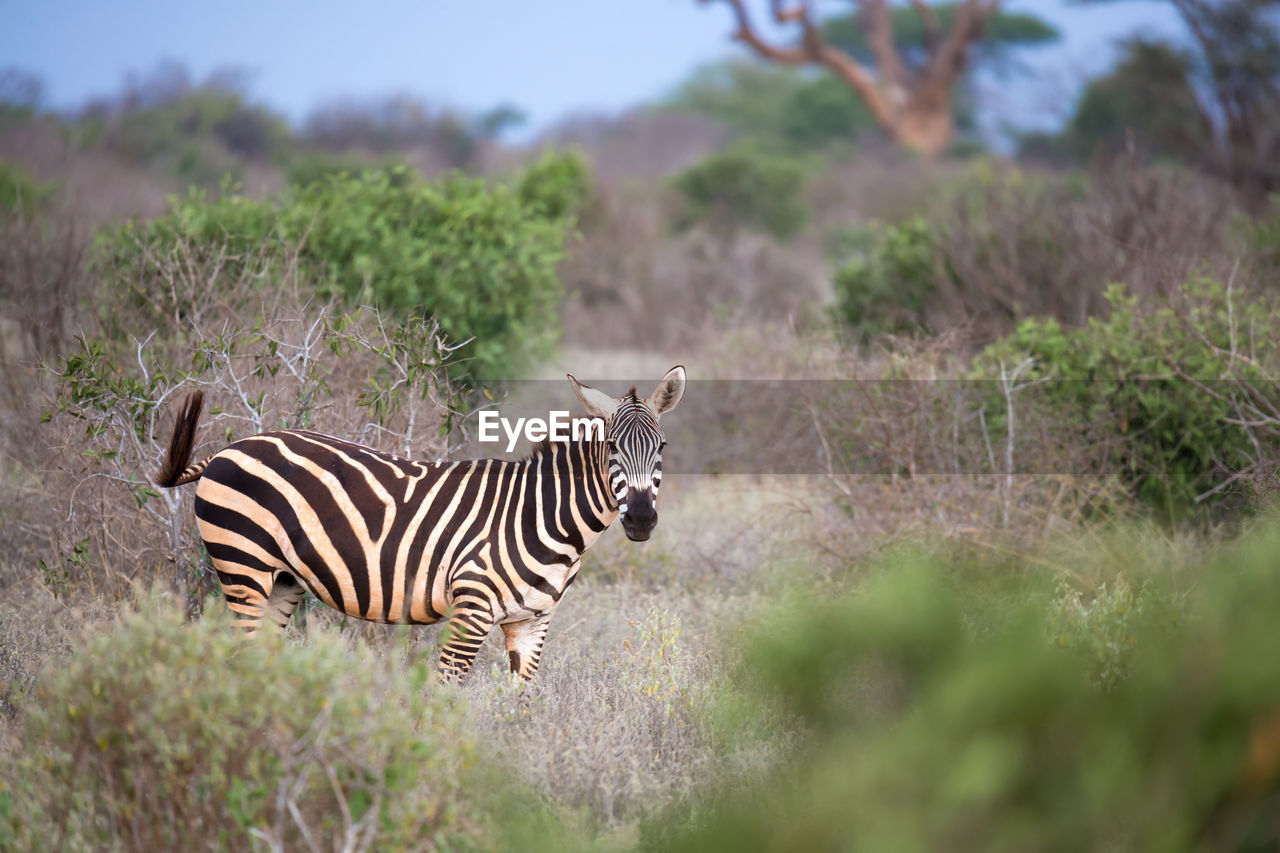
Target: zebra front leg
x=524 y=644
x=469 y=625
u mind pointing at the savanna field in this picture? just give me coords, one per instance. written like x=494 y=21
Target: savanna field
x=969 y=535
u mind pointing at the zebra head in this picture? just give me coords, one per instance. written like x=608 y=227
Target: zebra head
x=635 y=446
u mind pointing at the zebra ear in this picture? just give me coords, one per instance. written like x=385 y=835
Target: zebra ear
x=597 y=403
x=669 y=391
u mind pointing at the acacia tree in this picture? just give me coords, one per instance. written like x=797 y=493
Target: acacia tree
x=911 y=101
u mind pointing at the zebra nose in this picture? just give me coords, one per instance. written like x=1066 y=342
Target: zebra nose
x=641 y=512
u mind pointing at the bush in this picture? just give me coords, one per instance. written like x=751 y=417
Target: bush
x=997 y=245
x=937 y=718
x=19 y=191
x=161 y=735
x=891 y=280
x=1156 y=385
x=744 y=188
x=481 y=258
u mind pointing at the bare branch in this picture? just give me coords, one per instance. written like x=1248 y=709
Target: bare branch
x=932 y=26
x=947 y=63
x=879 y=26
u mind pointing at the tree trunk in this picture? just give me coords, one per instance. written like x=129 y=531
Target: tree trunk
x=925 y=129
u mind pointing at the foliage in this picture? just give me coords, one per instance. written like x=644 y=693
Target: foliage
x=1147 y=101
x=160 y=734
x=780 y=106
x=1263 y=236
x=1102 y=627
x=743 y=188
x=478 y=257
x=1234 y=68
x=1002 y=32
x=311 y=167
x=196 y=132
x=556 y=186
x=19 y=191
x=1158 y=385
x=1008 y=243
x=402 y=122
x=934 y=718
x=887 y=284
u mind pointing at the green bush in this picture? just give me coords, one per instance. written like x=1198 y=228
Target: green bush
x=312 y=167
x=1155 y=384
x=934 y=718
x=479 y=257
x=889 y=283
x=18 y=190
x=744 y=188
x=165 y=735
x=556 y=185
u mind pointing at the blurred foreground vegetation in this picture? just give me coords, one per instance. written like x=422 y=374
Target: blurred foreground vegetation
x=1116 y=698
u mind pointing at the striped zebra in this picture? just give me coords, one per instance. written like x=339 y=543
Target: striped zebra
x=484 y=542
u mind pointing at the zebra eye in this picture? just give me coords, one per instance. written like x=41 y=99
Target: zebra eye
x=662 y=447
x=613 y=445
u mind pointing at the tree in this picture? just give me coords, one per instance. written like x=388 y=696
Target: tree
x=904 y=64
x=1237 y=69
x=1148 y=100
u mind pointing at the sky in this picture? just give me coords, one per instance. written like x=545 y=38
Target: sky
x=551 y=58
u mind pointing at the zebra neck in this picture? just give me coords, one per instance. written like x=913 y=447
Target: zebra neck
x=575 y=495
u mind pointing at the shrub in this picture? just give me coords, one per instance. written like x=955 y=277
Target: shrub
x=889 y=283
x=481 y=258
x=161 y=735
x=557 y=186
x=743 y=188
x=996 y=246
x=935 y=718
x=1158 y=386
x=19 y=191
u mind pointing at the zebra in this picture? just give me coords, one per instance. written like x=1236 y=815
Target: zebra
x=483 y=542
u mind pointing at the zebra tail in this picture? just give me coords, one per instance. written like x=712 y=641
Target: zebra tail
x=176 y=469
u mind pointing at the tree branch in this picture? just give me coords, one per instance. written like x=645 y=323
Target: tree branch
x=879 y=26
x=814 y=51
x=932 y=26
x=947 y=62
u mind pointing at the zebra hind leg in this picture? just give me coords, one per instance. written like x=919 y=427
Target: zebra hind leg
x=467 y=629
x=284 y=598
x=524 y=644
x=246 y=597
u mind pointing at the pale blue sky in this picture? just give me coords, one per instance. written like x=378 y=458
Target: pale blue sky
x=550 y=57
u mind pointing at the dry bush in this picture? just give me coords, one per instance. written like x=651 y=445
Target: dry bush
x=265 y=359
x=44 y=278
x=876 y=185
x=283 y=373
x=1000 y=244
x=639 y=146
x=631 y=283
x=905 y=445
x=1053 y=251
x=36 y=631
